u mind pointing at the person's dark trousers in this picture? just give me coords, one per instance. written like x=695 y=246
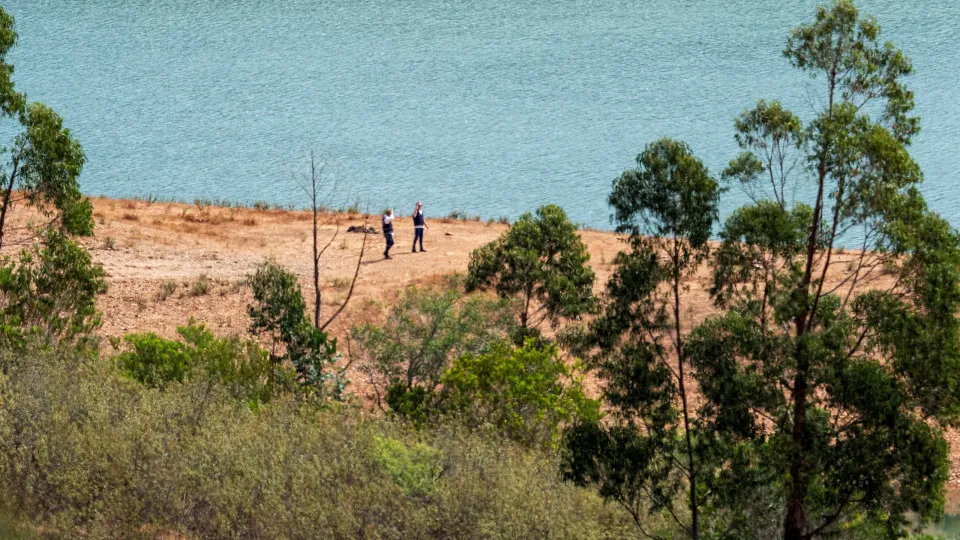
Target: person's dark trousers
x=417 y=235
x=389 y=239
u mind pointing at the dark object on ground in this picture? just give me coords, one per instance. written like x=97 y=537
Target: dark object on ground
x=360 y=229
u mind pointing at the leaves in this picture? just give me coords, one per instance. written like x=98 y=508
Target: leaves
x=542 y=260
x=426 y=329
x=669 y=195
x=50 y=290
x=45 y=160
x=279 y=311
x=526 y=392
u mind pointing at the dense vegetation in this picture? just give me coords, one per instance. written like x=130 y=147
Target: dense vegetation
x=809 y=406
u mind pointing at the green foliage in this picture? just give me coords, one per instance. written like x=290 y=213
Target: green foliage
x=648 y=456
x=542 y=261
x=830 y=395
x=528 y=393
x=85 y=453
x=13 y=529
x=239 y=366
x=416 y=469
x=669 y=195
x=426 y=329
x=278 y=312
x=44 y=159
x=11 y=102
x=819 y=389
x=417 y=404
x=155 y=361
x=50 y=161
x=49 y=290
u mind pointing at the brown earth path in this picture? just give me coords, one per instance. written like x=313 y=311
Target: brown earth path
x=145 y=245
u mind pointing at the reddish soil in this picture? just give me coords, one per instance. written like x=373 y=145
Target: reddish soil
x=143 y=246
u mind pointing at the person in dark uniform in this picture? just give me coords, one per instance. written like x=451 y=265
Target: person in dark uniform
x=419 y=222
x=388 y=232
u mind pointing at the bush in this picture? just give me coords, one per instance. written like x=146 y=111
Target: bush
x=278 y=313
x=415 y=404
x=154 y=361
x=167 y=288
x=85 y=453
x=528 y=393
x=415 y=469
x=49 y=290
x=201 y=286
x=241 y=367
x=424 y=331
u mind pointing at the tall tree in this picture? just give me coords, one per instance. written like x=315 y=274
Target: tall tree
x=668 y=204
x=542 y=261
x=839 y=384
x=829 y=375
x=42 y=164
x=48 y=290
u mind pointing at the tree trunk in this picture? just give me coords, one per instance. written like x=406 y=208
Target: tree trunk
x=795 y=522
x=316 y=257
x=7 y=194
x=795 y=525
x=691 y=463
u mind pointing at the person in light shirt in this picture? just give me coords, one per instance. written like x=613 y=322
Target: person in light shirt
x=419 y=222
x=388 y=232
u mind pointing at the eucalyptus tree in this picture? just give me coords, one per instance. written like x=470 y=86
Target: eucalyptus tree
x=647 y=457
x=542 y=261
x=828 y=376
x=48 y=290
x=835 y=371
x=41 y=165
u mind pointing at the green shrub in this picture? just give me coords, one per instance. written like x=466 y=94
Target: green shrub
x=528 y=393
x=415 y=404
x=241 y=367
x=278 y=314
x=49 y=291
x=416 y=469
x=87 y=454
x=154 y=361
x=424 y=331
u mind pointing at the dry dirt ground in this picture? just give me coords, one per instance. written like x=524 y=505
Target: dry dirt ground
x=148 y=248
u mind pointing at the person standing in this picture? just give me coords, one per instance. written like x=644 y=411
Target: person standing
x=419 y=222
x=388 y=232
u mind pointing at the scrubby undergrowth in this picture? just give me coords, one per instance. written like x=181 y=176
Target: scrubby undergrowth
x=85 y=451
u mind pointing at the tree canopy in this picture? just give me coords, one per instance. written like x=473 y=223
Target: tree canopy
x=828 y=376
x=542 y=261
x=42 y=164
x=48 y=289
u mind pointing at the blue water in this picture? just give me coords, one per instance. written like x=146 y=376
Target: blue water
x=487 y=107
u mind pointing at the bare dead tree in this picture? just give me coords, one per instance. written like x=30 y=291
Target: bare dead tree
x=313 y=189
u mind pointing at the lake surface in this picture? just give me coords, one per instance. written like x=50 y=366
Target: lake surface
x=487 y=107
